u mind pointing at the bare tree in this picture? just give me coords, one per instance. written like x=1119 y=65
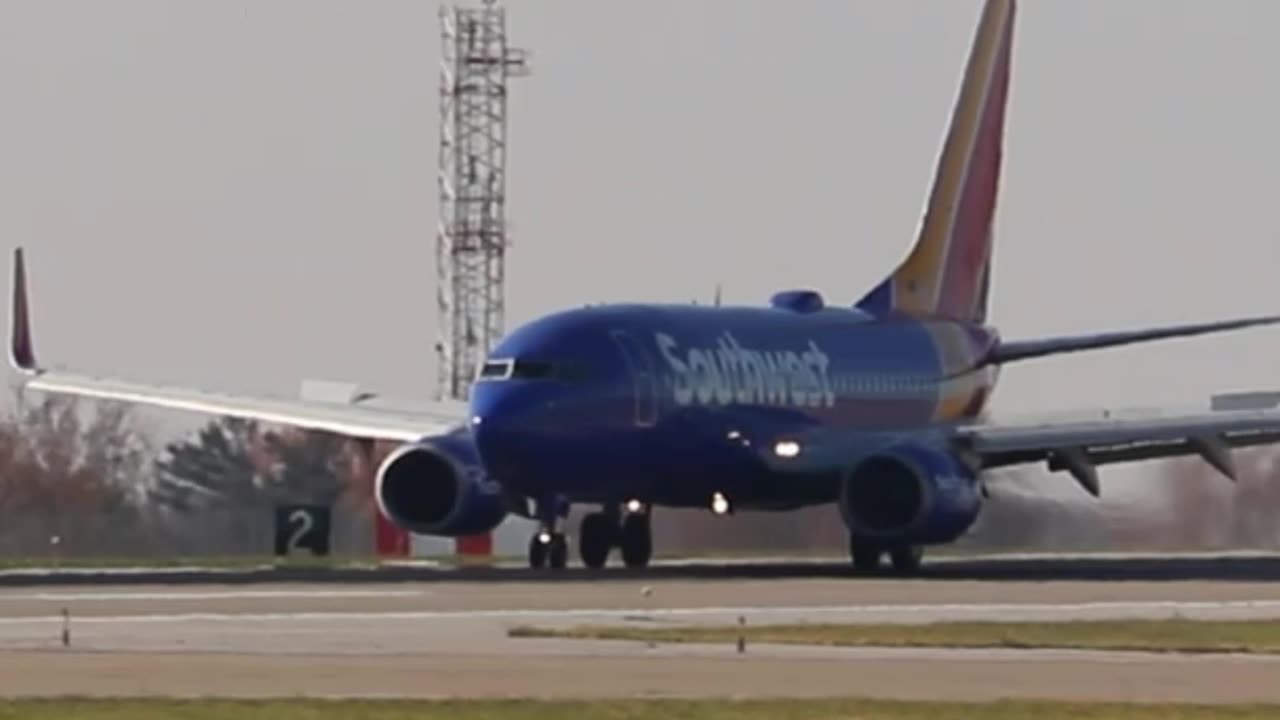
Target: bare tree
x=70 y=477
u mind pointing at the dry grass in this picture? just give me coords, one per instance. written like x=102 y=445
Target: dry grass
x=612 y=710
x=1173 y=635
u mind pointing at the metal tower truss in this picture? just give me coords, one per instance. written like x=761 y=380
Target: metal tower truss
x=471 y=239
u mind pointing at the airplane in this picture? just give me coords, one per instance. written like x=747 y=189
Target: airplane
x=876 y=408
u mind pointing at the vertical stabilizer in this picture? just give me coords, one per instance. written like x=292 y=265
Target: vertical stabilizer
x=948 y=272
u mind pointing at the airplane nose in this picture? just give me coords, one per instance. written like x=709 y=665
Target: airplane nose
x=498 y=415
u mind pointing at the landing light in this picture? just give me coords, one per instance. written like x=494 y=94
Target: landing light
x=786 y=448
x=719 y=504
x=634 y=506
x=544 y=538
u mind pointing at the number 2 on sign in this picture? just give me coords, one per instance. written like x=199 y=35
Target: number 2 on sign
x=302 y=522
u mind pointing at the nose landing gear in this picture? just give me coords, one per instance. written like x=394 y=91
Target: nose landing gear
x=548 y=549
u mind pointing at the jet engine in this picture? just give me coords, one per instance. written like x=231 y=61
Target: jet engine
x=437 y=486
x=910 y=495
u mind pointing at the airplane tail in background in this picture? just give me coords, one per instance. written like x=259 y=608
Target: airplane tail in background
x=948 y=272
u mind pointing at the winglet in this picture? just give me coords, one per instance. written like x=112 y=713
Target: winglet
x=22 y=354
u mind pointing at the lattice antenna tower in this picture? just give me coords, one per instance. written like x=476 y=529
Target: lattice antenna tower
x=471 y=239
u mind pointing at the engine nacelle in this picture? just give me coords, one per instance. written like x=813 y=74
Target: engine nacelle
x=437 y=486
x=910 y=494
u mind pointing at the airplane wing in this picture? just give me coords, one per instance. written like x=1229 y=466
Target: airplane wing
x=1077 y=446
x=350 y=419
x=1080 y=446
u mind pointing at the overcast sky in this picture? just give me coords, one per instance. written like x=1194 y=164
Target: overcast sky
x=238 y=194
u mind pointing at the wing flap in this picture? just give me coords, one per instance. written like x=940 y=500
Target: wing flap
x=995 y=440
x=1079 y=447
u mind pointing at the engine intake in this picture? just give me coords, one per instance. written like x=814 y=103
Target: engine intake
x=912 y=495
x=437 y=486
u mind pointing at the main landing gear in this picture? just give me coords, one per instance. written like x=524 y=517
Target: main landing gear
x=905 y=559
x=601 y=531
x=599 y=534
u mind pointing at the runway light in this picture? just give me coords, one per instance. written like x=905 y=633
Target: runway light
x=786 y=448
x=634 y=506
x=719 y=504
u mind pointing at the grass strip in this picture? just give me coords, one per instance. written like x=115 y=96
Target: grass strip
x=1162 y=635
x=86 y=709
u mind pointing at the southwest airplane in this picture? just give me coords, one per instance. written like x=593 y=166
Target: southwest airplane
x=876 y=408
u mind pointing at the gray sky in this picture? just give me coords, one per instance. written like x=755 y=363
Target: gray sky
x=238 y=194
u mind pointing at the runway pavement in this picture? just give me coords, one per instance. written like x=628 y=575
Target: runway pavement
x=442 y=638
x=1236 y=566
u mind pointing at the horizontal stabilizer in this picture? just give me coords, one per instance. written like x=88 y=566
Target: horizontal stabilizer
x=1026 y=349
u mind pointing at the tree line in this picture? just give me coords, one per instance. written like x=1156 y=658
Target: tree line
x=81 y=478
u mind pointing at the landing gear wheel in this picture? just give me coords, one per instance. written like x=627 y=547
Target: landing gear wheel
x=636 y=540
x=906 y=559
x=557 y=552
x=551 y=551
x=866 y=557
x=537 y=552
x=595 y=539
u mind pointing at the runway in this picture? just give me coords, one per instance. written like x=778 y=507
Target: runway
x=449 y=639
x=1234 y=567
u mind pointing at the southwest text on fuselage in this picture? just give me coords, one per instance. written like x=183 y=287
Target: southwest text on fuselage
x=730 y=374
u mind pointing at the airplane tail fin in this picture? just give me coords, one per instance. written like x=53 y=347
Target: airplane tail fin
x=948 y=272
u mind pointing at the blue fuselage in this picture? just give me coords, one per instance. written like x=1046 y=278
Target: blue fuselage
x=667 y=404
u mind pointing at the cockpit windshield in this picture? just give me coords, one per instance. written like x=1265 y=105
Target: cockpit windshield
x=532 y=369
x=529 y=370
x=495 y=370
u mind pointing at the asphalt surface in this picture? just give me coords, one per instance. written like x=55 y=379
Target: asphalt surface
x=448 y=637
x=1227 y=567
